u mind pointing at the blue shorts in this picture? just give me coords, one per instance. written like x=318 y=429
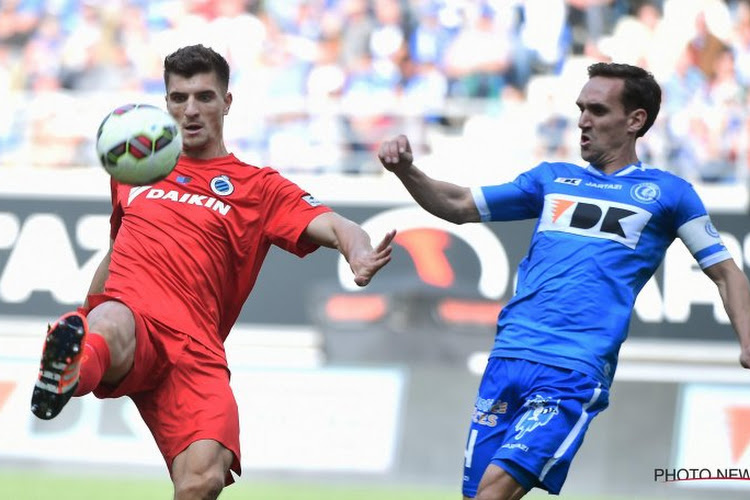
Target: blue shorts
x=529 y=419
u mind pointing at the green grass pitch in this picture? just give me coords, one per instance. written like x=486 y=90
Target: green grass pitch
x=46 y=486
x=27 y=485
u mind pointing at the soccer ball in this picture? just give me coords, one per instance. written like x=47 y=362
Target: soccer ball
x=138 y=144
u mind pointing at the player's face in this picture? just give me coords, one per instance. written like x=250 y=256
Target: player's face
x=607 y=132
x=199 y=104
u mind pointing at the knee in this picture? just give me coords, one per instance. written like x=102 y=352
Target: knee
x=206 y=486
x=116 y=324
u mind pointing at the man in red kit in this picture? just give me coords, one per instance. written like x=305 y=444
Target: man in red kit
x=184 y=255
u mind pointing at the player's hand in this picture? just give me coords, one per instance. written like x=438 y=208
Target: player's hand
x=395 y=154
x=365 y=266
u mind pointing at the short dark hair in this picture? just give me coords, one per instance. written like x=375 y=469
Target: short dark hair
x=194 y=59
x=641 y=90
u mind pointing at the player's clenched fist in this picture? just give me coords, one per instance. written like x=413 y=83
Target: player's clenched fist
x=396 y=153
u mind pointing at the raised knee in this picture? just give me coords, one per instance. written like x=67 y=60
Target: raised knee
x=117 y=327
x=206 y=486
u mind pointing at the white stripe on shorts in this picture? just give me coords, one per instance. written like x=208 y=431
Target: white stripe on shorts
x=571 y=436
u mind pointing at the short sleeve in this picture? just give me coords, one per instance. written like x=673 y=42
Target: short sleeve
x=522 y=198
x=697 y=232
x=287 y=212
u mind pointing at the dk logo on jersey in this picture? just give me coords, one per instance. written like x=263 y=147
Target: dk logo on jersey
x=594 y=218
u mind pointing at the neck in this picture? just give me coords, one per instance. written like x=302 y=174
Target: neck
x=616 y=160
x=218 y=150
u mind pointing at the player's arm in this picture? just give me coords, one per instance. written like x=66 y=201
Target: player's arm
x=735 y=294
x=100 y=275
x=334 y=231
x=443 y=199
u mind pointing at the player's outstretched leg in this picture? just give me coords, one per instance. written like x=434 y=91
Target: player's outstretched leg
x=60 y=365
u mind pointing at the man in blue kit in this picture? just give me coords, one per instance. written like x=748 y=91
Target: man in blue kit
x=602 y=231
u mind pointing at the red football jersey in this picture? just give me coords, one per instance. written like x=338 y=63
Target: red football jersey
x=188 y=249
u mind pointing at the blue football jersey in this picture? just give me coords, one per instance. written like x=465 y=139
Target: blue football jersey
x=598 y=240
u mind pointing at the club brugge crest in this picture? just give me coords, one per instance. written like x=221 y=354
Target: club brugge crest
x=222 y=186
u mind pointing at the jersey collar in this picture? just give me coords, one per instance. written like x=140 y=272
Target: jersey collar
x=626 y=170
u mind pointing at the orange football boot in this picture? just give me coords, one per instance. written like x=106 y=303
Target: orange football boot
x=60 y=365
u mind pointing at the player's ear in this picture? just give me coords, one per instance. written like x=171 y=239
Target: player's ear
x=637 y=120
x=227 y=102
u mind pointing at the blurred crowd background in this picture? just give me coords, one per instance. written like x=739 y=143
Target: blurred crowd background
x=319 y=83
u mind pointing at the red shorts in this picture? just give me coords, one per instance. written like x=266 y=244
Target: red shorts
x=180 y=388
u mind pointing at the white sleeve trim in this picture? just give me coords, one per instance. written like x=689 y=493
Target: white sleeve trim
x=714 y=259
x=481 y=203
